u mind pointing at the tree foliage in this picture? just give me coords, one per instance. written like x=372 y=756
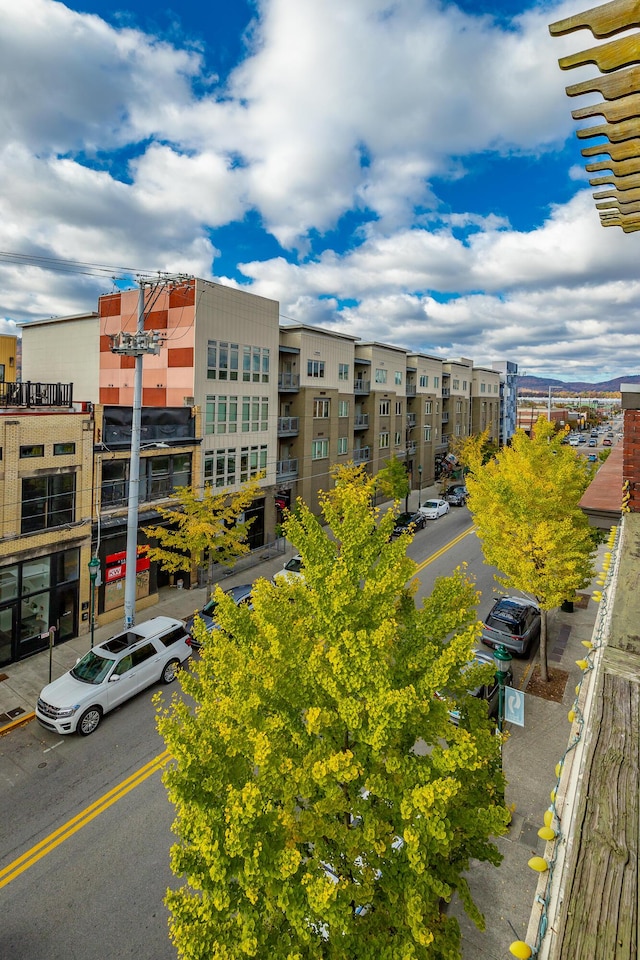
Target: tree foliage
x=203 y=526
x=326 y=807
x=392 y=481
x=524 y=503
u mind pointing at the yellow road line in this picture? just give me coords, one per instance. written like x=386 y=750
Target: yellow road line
x=442 y=550
x=76 y=823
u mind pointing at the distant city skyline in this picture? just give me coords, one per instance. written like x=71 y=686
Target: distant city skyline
x=405 y=173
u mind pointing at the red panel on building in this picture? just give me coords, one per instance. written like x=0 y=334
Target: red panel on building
x=109 y=395
x=110 y=305
x=157 y=320
x=154 y=397
x=105 y=344
x=180 y=357
x=183 y=296
x=127 y=363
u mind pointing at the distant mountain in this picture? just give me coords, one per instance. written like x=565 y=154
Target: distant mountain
x=529 y=384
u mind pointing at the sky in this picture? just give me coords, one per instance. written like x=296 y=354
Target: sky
x=405 y=171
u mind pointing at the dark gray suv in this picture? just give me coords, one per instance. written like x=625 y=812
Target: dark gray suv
x=513 y=622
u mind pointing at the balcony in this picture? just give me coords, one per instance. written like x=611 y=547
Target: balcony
x=362 y=387
x=411 y=389
x=446 y=392
x=286 y=469
x=289 y=382
x=30 y=394
x=361 y=455
x=288 y=426
x=445 y=418
x=411 y=448
x=361 y=421
x=411 y=420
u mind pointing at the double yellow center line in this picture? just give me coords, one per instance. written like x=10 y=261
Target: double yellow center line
x=439 y=553
x=76 y=823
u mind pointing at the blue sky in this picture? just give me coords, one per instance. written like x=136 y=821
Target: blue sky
x=406 y=172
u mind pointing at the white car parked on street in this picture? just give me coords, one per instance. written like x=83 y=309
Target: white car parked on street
x=432 y=509
x=111 y=673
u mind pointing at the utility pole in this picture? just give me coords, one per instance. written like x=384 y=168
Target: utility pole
x=137 y=345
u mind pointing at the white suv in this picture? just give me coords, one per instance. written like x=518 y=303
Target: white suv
x=112 y=672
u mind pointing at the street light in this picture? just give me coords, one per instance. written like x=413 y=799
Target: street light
x=94 y=567
x=501 y=658
x=419 y=484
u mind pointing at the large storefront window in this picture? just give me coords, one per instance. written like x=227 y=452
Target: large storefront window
x=35 y=595
x=48 y=501
x=159 y=478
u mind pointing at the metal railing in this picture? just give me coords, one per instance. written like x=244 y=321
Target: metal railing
x=361 y=455
x=29 y=394
x=286 y=469
x=288 y=381
x=361 y=386
x=288 y=426
x=360 y=420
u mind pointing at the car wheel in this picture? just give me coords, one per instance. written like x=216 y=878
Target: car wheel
x=170 y=671
x=89 y=721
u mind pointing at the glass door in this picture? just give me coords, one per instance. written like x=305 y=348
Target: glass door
x=67 y=612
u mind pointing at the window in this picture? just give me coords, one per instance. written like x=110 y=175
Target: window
x=424 y=380
x=32 y=450
x=320 y=409
x=464 y=384
x=255 y=414
x=315 y=368
x=437 y=406
x=398 y=408
x=319 y=449
x=343 y=371
x=458 y=429
x=385 y=406
x=495 y=388
x=63 y=449
x=397 y=439
x=222 y=360
x=224 y=468
x=48 y=501
x=482 y=388
x=383 y=440
x=342 y=445
x=381 y=376
x=456 y=384
x=221 y=415
x=398 y=378
x=159 y=478
x=428 y=406
x=436 y=381
x=427 y=434
x=343 y=408
x=458 y=406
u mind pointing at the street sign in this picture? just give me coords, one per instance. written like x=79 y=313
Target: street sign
x=514 y=706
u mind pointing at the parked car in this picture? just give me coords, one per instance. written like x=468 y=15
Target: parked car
x=111 y=673
x=409 y=522
x=607 y=442
x=432 y=509
x=593 y=443
x=291 y=570
x=241 y=594
x=487 y=691
x=513 y=622
x=456 y=496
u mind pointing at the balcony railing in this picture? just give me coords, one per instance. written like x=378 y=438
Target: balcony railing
x=411 y=389
x=411 y=420
x=286 y=469
x=30 y=394
x=288 y=426
x=411 y=448
x=362 y=387
x=445 y=418
x=361 y=421
x=446 y=392
x=361 y=455
x=289 y=382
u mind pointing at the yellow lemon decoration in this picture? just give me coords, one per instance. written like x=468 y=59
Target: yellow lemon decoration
x=520 y=949
x=571 y=716
x=548 y=818
x=539 y=864
x=546 y=833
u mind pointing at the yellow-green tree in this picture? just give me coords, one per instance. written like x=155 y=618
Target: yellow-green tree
x=326 y=807
x=524 y=503
x=202 y=527
x=392 y=481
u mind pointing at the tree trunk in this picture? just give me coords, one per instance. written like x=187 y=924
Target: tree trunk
x=544 y=669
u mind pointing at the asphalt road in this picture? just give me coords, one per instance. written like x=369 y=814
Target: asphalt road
x=92 y=816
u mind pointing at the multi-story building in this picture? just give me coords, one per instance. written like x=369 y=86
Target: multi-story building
x=508 y=399
x=8 y=358
x=46 y=456
x=485 y=402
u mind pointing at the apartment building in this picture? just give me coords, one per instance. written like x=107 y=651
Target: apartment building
x=46 y=456
x=508 y=399
x=485 y=402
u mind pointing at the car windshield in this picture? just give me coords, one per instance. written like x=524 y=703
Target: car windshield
x=92 y=668
x=431 y=504
x=208 y=608
x=504 y=623
x=294 y=565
